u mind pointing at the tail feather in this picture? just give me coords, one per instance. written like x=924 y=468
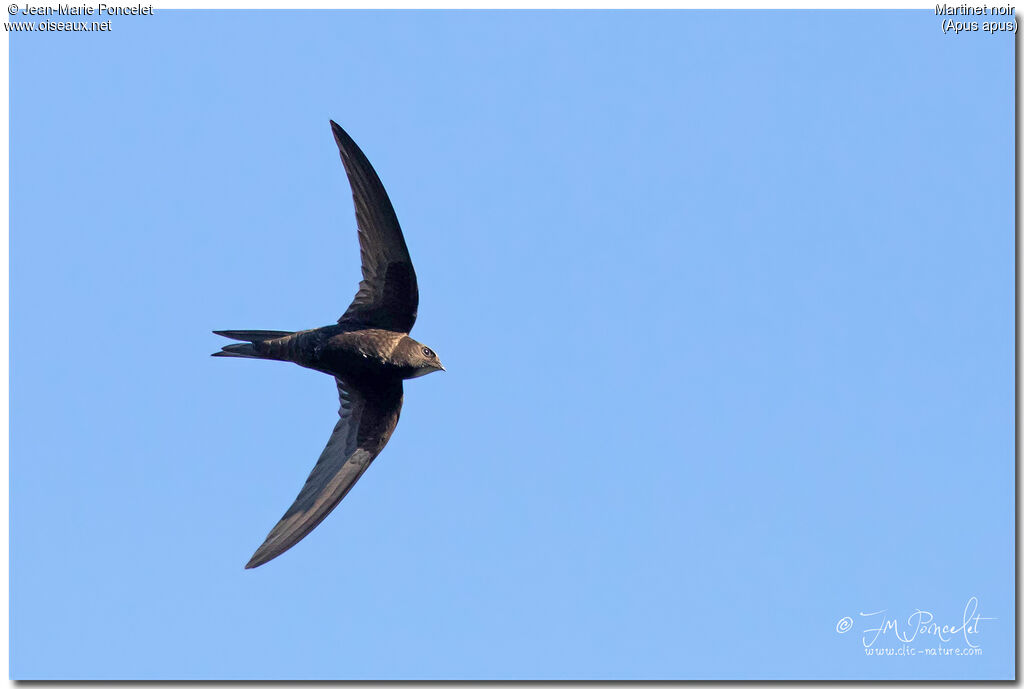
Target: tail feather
x=248 y=350
x=252 y=335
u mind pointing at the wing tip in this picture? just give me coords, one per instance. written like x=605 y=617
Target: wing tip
x=259 y=558
x=341 y=137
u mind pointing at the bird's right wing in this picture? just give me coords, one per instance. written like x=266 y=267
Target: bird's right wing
x=369 y=413
x=388 y=296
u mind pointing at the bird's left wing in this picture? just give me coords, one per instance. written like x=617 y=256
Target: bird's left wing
x=369 y=413
x=388 y=296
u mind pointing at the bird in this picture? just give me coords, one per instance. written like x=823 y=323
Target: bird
x=368 y=352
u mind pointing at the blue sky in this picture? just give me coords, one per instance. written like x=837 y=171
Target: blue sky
x=725 y=298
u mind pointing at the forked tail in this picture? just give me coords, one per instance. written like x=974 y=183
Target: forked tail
x=253 y=338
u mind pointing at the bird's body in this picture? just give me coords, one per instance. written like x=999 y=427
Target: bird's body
x=368 y=352
x=343 y=350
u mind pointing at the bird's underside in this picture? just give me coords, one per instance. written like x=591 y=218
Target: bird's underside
x=368 y=352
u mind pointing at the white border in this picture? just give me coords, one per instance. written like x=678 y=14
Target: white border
x=334 y=4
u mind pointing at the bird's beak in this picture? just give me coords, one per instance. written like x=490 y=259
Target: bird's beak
x=442 y=366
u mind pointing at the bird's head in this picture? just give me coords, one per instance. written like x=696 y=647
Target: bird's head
x=417 y=358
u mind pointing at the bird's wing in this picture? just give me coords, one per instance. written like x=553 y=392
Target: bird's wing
x=369 y=414
x=387 y=296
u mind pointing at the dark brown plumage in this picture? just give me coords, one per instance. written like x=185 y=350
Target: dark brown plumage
x=369 y=353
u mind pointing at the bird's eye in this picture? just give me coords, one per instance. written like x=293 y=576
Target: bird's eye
x=427 y=353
